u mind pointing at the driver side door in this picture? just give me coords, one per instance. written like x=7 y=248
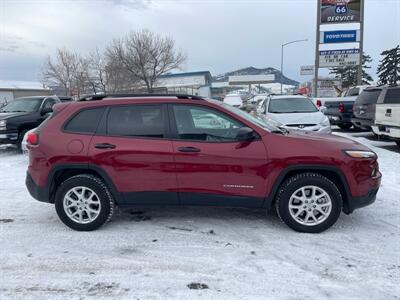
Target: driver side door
x=212 y=166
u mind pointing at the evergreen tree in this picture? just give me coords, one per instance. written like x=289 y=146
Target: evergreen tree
x=348 y=74
x=389 y=67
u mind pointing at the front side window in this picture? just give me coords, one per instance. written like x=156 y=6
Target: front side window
x=136 y=121
x=203 y=124
x=48 y=104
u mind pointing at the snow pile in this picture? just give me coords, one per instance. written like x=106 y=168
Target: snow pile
x=209 y=253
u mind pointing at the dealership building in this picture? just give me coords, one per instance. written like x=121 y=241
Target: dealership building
x=194 y=83
x=9 y=90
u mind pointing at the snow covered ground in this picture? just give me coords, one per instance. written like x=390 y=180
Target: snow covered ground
x=190 y=253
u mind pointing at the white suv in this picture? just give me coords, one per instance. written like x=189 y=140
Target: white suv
x=294 y=112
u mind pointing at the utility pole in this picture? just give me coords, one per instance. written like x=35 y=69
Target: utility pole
x=316 y=64
x=283 y=45
x=359 y=73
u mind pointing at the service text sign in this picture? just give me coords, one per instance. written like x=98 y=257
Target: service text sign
x=339 y=58
x=340 y=11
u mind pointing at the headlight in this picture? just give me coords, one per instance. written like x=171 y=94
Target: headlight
x=360 y=154
x=3 y=124
x=325 y=122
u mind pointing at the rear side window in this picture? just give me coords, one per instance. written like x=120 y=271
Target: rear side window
x=136 y=121
x=368 y=96
x=353 y=92
x=86 y=121
x=392 y=96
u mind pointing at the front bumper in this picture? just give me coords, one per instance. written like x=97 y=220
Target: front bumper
x=8 y=137
x=364 y=200
x=39 y=193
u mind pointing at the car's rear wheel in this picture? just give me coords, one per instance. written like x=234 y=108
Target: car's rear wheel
x=309 y=202
x=83 y=202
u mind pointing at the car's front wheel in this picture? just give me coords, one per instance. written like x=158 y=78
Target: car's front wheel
x=309 y=202
x=83 y=202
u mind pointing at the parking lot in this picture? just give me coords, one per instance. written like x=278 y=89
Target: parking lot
x=198 y=252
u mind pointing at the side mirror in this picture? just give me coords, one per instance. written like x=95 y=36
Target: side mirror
x=322 y=109
x=46 y=110
x=245 y=134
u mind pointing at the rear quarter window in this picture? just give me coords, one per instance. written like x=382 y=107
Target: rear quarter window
x=85 y=121
x=392 y=96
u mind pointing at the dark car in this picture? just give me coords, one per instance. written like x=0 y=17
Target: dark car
x=22 y=115
x=65 y=98
x=186 y=150
x=364 y=108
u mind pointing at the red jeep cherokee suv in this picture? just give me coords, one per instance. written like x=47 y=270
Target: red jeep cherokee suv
x=91 y=156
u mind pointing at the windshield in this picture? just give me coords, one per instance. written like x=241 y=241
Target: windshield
x=23 y=105
x=260 y=122
x=291 y=105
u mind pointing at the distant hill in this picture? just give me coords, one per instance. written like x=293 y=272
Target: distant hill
x=254 y=71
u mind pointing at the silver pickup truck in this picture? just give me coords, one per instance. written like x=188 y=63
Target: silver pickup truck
x=387 y=114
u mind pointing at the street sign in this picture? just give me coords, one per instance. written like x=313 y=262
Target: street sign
x=307 y=70
x=339 y=58
x=340 y=11
x=326 y=87
x=340 y=36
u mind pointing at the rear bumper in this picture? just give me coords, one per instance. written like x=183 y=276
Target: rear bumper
x=363 y=123
x=39 y=193
x=389 y=131
x=336 y=119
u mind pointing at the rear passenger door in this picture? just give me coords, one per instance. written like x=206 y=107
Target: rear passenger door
x=131 y=146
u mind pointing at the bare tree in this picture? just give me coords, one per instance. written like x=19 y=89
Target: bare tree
x=60 y=71
x=146 y=56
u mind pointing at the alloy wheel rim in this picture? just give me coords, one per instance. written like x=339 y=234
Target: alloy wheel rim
x=82 y=205
x=310 y=205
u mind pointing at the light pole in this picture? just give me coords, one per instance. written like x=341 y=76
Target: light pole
x=283 y=45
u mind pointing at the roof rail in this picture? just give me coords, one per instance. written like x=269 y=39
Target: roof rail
x=102 y=96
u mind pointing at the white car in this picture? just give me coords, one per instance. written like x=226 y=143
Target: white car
x=234 y=100
x=294 y=112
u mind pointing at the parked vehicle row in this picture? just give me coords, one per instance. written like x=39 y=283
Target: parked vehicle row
x=340 y=109
x=186 y=150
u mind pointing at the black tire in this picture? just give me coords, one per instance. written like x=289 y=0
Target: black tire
x=295 y=182
x=97 y=185
x=345 y=126
x=398 y=143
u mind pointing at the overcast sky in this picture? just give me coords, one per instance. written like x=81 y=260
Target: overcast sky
x=216 y=35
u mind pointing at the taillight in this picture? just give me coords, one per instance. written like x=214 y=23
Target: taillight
x=32 y=138
x=319 y=103
x=341 y=107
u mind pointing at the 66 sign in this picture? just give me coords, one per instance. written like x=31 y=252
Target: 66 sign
x=339 y=58
x=341 y=8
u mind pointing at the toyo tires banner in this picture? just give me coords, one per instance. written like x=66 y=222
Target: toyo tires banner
x=340 y=11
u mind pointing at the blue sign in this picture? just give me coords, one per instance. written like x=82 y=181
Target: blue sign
x=340 y=36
